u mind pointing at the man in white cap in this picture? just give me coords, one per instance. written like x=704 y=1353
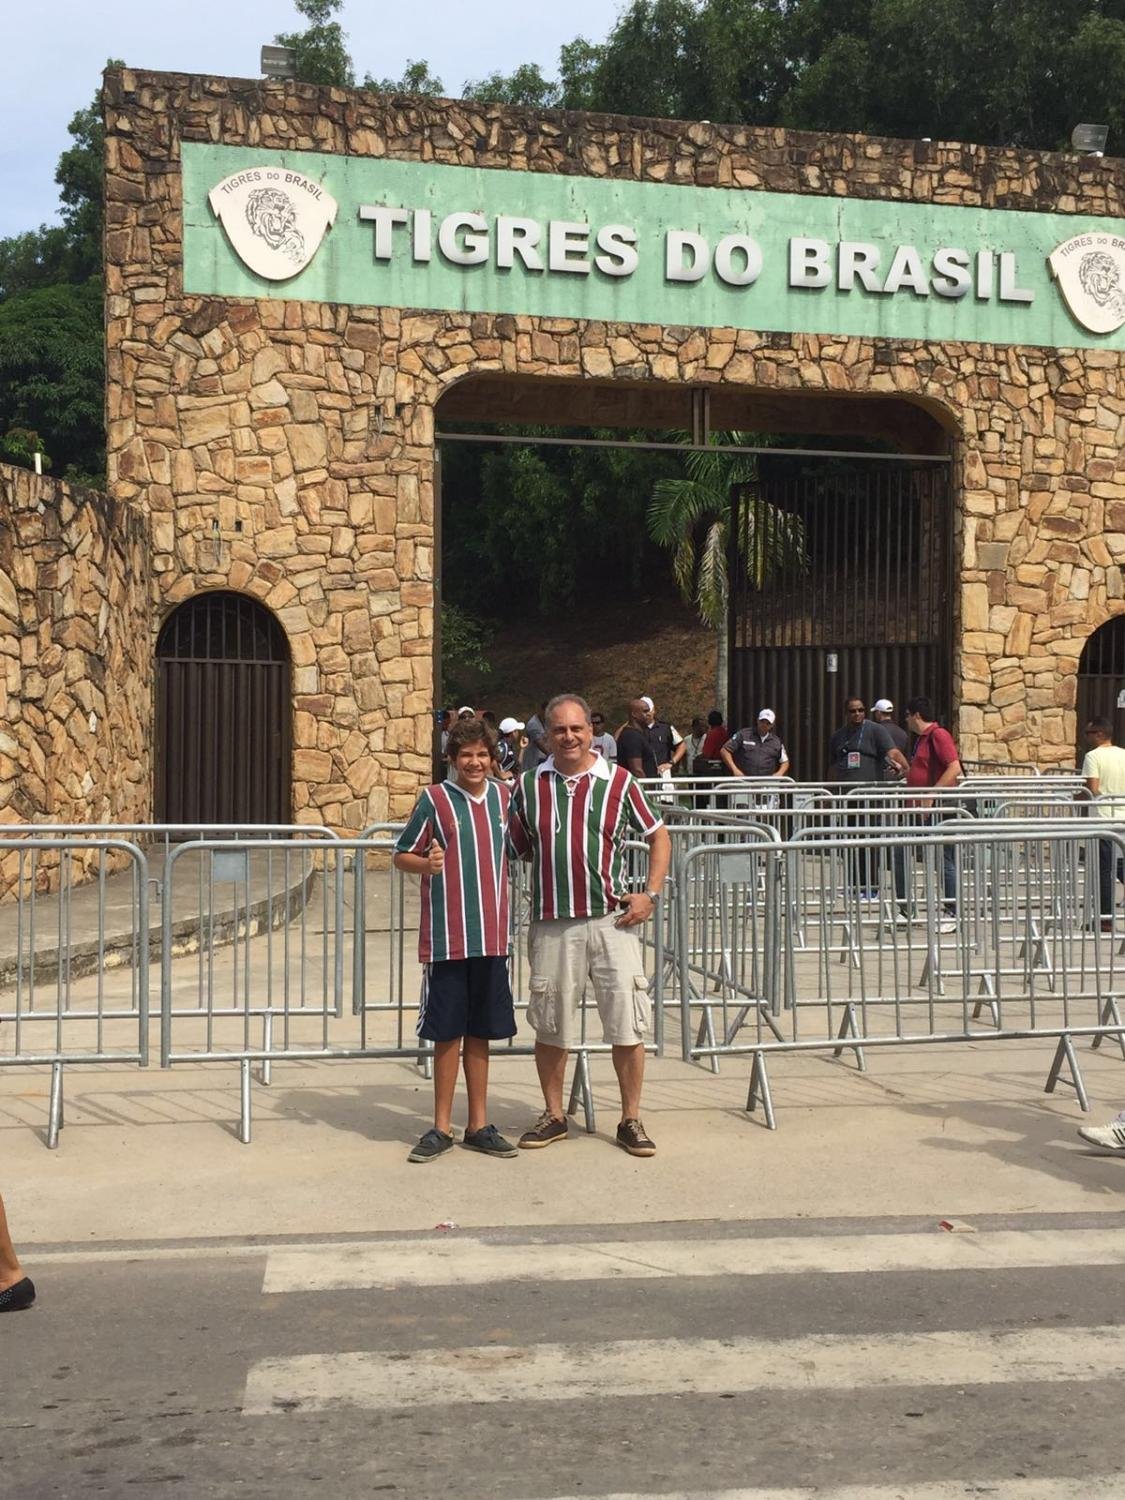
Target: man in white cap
x=508 y=747
x=757 y=751
x=882 y=711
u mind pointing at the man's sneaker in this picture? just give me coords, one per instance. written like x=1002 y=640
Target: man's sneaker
x=631 y=1137
x=433 y=1144
x=947 y=924
x=490 y=1141
x=1110 y=1137
x=545 y=1132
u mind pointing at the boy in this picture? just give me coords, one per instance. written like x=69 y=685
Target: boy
x=455 y=841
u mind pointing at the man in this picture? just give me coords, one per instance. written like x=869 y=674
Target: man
x=603 y=742
x=668 y=745
x=859 y=752
x=716 y=737
x=756 y=752
x=1104 y=772
x=536 y=750
x=883 y=713
x=508 y=747
x=571 y=818
x=696 y=736
x=934 y=763
x=635 y=750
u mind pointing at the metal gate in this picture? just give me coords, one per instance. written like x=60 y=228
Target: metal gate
x=222 y=714
x=840 y=584
x=1101 y=681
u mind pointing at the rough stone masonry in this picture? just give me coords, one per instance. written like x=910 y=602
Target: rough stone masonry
x=306 y=429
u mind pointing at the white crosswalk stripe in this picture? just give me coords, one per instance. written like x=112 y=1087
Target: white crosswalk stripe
x=656 y=1367
x=468 y=1261
x=1101 y=1487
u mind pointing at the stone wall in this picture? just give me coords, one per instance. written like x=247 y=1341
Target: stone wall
x=286 y=448
x=75 y=656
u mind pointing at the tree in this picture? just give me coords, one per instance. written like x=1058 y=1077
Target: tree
x=52 y=374
x=525 y=86
x=320 y=51
x=416 y=79
x=689 y=516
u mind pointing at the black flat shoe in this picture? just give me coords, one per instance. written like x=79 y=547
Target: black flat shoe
x=17 y=1297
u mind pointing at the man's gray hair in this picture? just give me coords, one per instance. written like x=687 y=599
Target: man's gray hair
x=559 y=699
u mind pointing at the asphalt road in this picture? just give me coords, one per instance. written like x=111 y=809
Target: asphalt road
x=849 y=1359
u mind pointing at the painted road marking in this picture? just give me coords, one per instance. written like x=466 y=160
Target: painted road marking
x=464 y=1261
x=660 y=1367
x=1088 y=1487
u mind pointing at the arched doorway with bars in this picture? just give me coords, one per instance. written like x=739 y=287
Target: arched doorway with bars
x=223 y=713
x=1101 y=681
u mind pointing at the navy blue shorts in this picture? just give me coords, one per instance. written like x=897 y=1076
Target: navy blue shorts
x=467 y=997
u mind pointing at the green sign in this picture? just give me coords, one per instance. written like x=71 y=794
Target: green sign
x=369 y=231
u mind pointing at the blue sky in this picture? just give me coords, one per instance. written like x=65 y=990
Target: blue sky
x=57 y=49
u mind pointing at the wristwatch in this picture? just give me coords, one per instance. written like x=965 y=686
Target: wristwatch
x=652 y=895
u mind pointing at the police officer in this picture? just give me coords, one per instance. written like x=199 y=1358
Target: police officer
x=758 y=751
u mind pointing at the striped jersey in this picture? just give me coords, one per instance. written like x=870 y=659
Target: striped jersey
x=465 y=908
x=574 y=832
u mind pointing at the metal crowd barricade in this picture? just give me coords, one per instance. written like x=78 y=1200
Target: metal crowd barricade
x=254 y=1005
x=978 y=932
x=65 y=996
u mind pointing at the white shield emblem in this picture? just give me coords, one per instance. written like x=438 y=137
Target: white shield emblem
x=1090 y=271
x=274 y=218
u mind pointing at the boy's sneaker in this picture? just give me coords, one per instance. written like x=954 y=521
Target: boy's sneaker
x=489 y=1140
x=1110 y=1137
x=545 y=1132
x=631 y=1137
x=433 y=1144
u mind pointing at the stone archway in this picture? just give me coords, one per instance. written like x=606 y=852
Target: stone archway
x=1101 y=680
x=223 y=711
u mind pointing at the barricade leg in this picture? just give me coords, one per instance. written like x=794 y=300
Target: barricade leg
x=760 y=1091
x=55 y=1119
x=849 y=1027
x=1110 y=1016
x=580 y=1089
x=1064 y=1053
x=265 y=1072
x=244 y=1114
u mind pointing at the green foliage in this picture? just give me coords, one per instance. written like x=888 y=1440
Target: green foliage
x=464 y=641
x=539 y=529
x=320 y=51
x=690 y=517
x=19 y=445
x=416 y=79
x=52 y=376
x=525 y=86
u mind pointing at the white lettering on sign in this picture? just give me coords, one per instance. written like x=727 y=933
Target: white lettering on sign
x=573 y=247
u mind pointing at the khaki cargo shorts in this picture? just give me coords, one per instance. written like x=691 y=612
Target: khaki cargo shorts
x=573 y=954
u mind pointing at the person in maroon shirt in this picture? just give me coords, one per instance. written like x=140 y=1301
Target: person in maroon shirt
x=934 y=762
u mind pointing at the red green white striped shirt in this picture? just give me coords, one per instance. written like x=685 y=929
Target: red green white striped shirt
x=465 y=908
x=574 y=834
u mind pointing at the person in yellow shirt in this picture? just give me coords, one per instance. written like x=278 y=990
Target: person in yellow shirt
x=1104 y=772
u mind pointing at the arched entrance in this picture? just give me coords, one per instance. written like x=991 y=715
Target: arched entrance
x=222 y=714
x=1101 y=680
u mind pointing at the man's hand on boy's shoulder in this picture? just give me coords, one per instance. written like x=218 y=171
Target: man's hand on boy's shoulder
x=436 y=858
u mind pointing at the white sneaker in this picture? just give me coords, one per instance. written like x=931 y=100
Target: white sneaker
x=947 y=924
x=1111 y=1137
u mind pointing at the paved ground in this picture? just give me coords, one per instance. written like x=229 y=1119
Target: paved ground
x=882 y=1355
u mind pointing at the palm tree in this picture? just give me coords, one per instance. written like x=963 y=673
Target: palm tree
x=691 y=518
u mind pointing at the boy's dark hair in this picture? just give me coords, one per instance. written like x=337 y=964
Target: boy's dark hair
x=469 y=732
x=923 y=707
x=714 y=718
x=1100 y=726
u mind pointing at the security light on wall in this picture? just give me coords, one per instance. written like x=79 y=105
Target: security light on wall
x=278 y=62
x=1089 y=140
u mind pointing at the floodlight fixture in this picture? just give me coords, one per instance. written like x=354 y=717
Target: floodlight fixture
x=279 y=62
x=1089 y=140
